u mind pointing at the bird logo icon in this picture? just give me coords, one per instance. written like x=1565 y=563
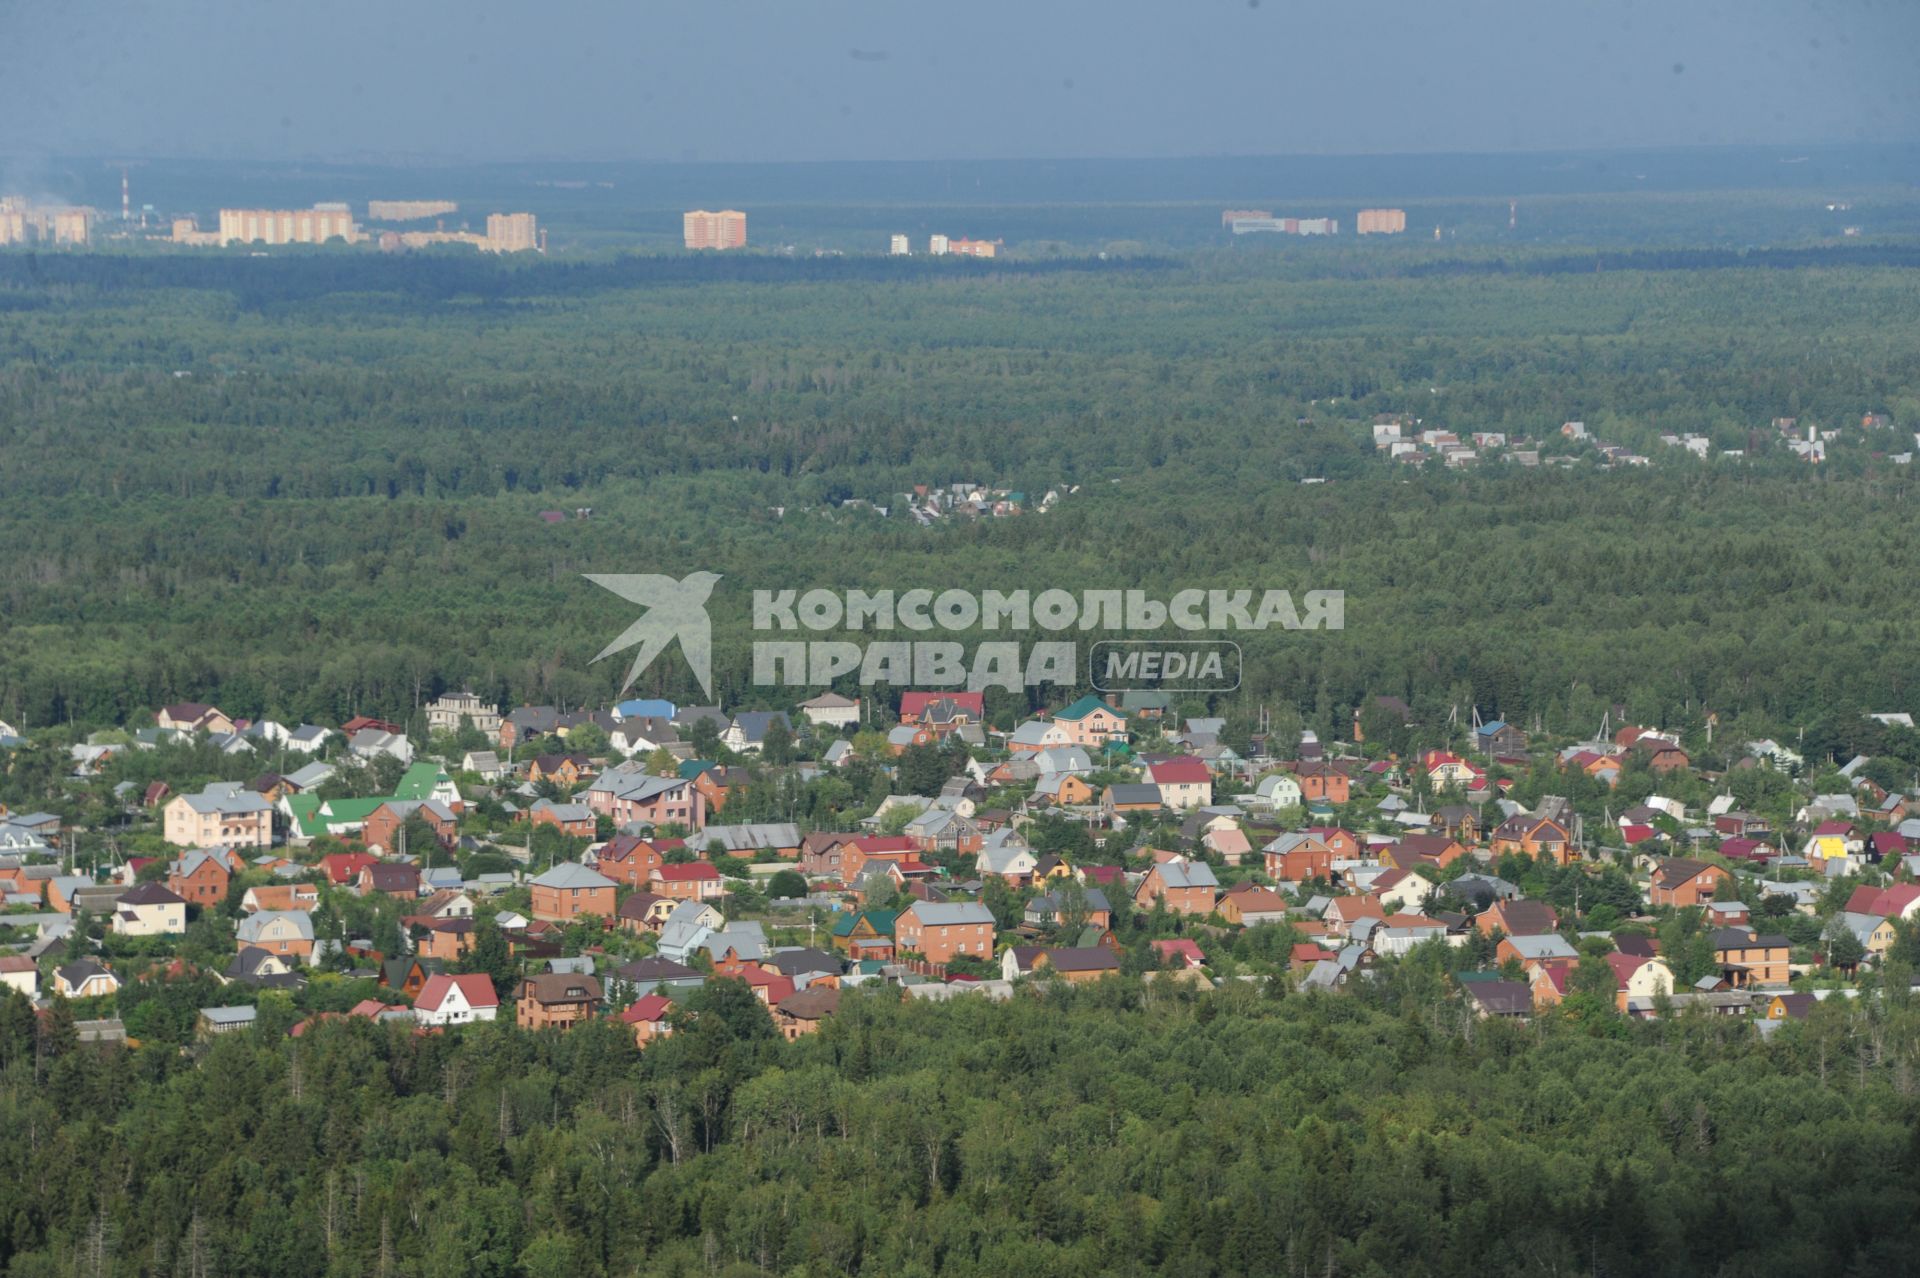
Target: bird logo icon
x=674 y=610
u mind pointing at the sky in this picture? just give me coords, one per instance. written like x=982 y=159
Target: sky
x=751 y=80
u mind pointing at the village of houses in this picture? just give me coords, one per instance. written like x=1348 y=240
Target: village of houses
x=523 y=879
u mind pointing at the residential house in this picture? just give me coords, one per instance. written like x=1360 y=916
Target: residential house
x=398 y=880
x=1661 y=754
x=1121 y=799
x=1050 y=909
x=84 y=978
x=485 y=764
x=942 y=712
x=224 y=814
x=454 y=709
x=940 y=932
x=688 y=881
x=1092 y=723
x=286 y=934
x=748 y=732
x=629 y=794
x=647 y=1015
x=1322 y=782
x=865 y=934
x=1279 y=790
x=1186 y=887
x=1638 y=978
x=263 y=968
x=575 y=820
x=1499 y=1000
x=1075 y=965
x=557 y=1000
x=1184 y=782
x=201 y=878
x=1534 y=836
x=191 y=716
x=149 y=909
x=1248 y=905
x=1499 y=737
x=1296 y=857
x=632 y=861
x=563 y=770
x=1901 y=901
x=831 y=710
x=1528 y=950
x=570 y=890
x=386 y=824
x=644 y=911
x=18 y=972
x=801 y=1013
x=652 y=975
x=781 y=838
x=1680 y=882
x=1748 y=957
x=1517 y=917
x=456 y=1000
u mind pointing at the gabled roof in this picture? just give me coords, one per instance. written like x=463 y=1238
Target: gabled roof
x=475 y=987
x=569 y=875
x=1085 y=706
x=932 y=914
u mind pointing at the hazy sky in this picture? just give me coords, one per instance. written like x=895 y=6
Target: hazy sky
x=907 y=79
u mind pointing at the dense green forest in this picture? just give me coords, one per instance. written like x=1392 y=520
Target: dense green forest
x=1117 y=1129
x=308 y=486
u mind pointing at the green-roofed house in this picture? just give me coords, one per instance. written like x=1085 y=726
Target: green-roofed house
x=313 y=816
x=692 y=768
x=427 y=781
x=1091 y=722
x=867 y=934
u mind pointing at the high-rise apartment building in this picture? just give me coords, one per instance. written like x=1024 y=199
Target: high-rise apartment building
x=316 y=225
x=899 y=247
x=512 y=233
x=24 y=222
x=1381 y=221
x=726 y=229
x=408 y=210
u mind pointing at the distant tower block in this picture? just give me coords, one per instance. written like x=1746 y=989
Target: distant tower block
x=1381 y=221
x=1513 y=215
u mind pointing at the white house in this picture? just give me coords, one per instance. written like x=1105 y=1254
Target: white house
x=831 y=710
x=456 y=1000
x=149 y=909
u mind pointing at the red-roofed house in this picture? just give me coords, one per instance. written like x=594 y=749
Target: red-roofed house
x=1183 y=951
x=1549 y=979
x=691 y=881
x=1184 y=782
x=1635 y=977
x=1901 y=901
x=456 y=1000
x=648 y=1016
x=342 y=868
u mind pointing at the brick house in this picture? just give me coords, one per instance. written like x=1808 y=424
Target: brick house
x=1322 y=782
x=557 y=1000
x=400 y=881
x=1680 y=882
x=689 y=881
x=1187 y=887
x=633 y=861
x=1534 y=836
x=942 y=931
x=201 y=878
x=570 y=890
